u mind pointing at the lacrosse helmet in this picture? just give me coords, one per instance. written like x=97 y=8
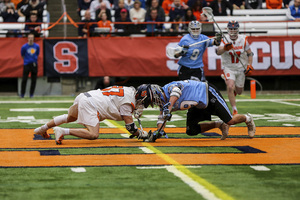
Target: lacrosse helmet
x=233 y=29
x=149 y=94
x=194 y=29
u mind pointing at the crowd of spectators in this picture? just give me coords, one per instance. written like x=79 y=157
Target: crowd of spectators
x=30 y=10
x=180 y=11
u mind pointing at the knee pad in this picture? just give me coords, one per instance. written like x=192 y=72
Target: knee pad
x=60 y=119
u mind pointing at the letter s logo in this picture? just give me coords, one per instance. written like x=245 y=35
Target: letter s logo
x=67 y=62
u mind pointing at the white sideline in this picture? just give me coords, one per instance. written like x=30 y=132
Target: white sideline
x=260 y=168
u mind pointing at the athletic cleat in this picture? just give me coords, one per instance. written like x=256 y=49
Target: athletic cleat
x=251 y=126
x=39 y=131
x=58 y=135
x=234 y=112
x=224 y=128
x=151 y=137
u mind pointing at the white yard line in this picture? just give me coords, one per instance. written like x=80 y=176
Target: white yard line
x=78 y=169
x=260 y=168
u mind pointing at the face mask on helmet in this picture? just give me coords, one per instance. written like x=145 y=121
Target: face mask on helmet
x=233 y=29
x=194 y=29
x=158 y=95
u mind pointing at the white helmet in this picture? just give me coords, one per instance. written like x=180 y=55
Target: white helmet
x=233 y=29
x=194 y=29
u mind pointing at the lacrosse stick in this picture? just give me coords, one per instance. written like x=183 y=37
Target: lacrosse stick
x=171 y=51
x=208 y=12
x=140 y=123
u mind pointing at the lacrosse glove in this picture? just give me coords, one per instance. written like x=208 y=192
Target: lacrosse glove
x=249 y=70
x=184 y=50
x=166 y=112
x=228 y=46
x=160 y=134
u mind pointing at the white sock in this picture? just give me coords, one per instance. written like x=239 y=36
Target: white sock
x=60 y=119
x=234 y=108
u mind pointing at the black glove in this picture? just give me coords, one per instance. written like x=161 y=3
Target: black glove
x=218 y=39
x=184 y=50
x=160 y=134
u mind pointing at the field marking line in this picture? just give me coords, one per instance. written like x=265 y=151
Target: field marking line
x=260 y=168
x=164 y=167
x=284 y=102
x=204 y=188
x=78 y=169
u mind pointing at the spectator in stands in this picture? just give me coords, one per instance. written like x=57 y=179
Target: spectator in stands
x=121 y=5
x=29 y=52
x=149 y=2
x=237 y=4
x=166 y=5
x=104 y=22
x=87 y=26
x=151 y=28
x=219 y=7
x=33 y=25
x=197 y=9
x=10 y=15
x=253 y=4
x=126 y=28
x=189 y=16
x=104 y=82
x=83 y=5
x=101 y=9
x=128 y=4
x=16 y=2
x=274 y=4
x=34 y=7
x=95 y=5
x=5 y=4
x=177 y=10
x=160 y=10
x=137 y=14
x=21 y=7
x=293 y=12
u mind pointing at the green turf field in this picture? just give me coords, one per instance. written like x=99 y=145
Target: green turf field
x=174 y=181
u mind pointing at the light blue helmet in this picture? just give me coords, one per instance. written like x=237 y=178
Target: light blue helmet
x=194 y=29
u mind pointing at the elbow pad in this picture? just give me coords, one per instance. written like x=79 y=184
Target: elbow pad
x=176 y=92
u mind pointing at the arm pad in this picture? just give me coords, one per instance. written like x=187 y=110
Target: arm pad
x=131 y=128
x=176 y=92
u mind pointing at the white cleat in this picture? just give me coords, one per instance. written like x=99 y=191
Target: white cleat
x=40 y=132
x=58 y=135
x=224 y=128
x=251 y=126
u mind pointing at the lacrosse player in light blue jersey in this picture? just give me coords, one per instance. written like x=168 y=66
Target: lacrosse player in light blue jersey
x=194 y=96
x=191 y=63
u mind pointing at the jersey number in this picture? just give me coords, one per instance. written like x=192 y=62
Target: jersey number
x=195 y=54
x=114 y=90
x=235 y=59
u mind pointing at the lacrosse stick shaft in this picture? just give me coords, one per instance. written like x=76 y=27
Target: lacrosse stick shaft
x=140 y=123
x=201 y=42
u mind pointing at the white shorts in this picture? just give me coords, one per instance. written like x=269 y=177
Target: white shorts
x=237 y=76
x=87 y=114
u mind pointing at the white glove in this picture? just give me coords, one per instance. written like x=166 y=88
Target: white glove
x=137 y=113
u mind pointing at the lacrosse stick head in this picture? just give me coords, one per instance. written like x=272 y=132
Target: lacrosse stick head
x=208 y=12
x=194 y=29
x=172 y=51
x=233 y=29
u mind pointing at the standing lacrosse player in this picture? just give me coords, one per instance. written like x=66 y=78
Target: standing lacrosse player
x=234 y=71
x=191 y=63
x=193 y=96
x=89 y=108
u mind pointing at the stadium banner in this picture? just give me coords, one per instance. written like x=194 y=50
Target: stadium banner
x=11 y=59
x=67 y=58
x=147 y=57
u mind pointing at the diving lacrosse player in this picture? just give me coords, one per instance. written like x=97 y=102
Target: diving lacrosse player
x=191 y=63
x=89 y=108
x=193 y=96
x=234 y=71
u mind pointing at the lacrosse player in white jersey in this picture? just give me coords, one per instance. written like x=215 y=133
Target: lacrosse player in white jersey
x=115 y=103
x=234 y=66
